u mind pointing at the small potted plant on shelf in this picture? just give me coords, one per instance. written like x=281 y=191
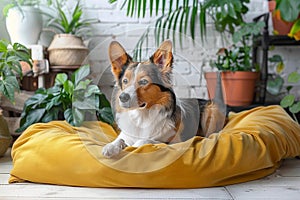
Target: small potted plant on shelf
x=67 y=47
x=10 y=57
x=24 y=21
x=286 y=17
x=69 y=99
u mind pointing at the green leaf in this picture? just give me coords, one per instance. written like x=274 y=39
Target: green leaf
x=103 y=102
x=287 y=101
x=3 y=46
x=193 y=19
x=275 y=58
x=87 y=104
x=68 y=115
x=8 y=86
x=60 y=79
x=35 y=100
x=51 y=115
x=80 y=74
x=69 y=87
x=295 y=108
x=74 y=116
x=274 y=86
x=92 y=90
x=106 y=115
x=295 y=28
x=294 y=77
x=289 y=9
x=82 y=85
x=32 y=117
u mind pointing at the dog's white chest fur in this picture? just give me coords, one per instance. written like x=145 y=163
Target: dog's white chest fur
x=141 y=126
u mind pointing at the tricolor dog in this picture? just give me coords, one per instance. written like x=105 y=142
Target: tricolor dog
x=145 y=105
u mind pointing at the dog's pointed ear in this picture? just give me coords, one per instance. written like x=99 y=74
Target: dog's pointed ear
x=118 y=58
x=163 y=57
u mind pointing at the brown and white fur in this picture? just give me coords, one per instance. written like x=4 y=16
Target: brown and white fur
x=146 y=108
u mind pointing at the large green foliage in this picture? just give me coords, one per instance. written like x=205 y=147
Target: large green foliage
x=10 y=67
x=181 y=17
x=69 y=99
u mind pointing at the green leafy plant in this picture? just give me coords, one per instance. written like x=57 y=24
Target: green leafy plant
x=10 y=67
x=290 y=101
x=69 y=99
x=289 y=11
x=237 y=57
x=71 y=22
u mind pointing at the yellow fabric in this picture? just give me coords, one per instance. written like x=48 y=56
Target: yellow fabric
x=251 y=146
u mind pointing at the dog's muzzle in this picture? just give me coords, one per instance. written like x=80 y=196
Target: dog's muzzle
x=124 y=97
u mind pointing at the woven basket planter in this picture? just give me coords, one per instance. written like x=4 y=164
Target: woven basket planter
x=67 y=49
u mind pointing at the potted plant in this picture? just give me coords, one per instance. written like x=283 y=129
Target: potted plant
x=237 y=73
x=24 y=21
x=10 y=57
x=67 y=47
x=285 y=16
x=69 y=99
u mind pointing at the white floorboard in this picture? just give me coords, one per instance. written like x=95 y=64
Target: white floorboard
x=283 y=184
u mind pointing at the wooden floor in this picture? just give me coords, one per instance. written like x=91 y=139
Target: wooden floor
x=284 y=184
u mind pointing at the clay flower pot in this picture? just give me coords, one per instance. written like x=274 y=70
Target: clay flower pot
x=67 y=50
x=238 y=87
x=280 y=26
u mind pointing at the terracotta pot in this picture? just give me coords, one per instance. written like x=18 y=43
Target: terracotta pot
x=238 y=87
x=280 y=26
x=67 y=49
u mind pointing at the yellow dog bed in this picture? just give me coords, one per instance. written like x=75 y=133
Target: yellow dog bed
x=251 y=146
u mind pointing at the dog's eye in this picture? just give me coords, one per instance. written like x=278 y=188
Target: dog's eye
x=125 y=81
x=143 y=82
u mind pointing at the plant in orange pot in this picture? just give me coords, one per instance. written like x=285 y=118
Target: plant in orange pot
x=237 y=73
x=286 y=17
x=290 y=12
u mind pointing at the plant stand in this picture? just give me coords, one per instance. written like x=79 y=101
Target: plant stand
x=264 y=42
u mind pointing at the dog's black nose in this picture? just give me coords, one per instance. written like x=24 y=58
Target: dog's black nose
x=124 y=97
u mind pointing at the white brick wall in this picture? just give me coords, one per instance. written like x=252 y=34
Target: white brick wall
x=190 y=60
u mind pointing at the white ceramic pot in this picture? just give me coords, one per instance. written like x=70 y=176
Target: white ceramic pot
x=24 y=24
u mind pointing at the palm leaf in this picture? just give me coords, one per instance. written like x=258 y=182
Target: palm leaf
x=193 y=19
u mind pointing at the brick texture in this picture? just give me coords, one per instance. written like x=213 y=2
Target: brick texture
x=190 y=60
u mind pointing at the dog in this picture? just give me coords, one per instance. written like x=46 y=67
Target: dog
x=145 y=105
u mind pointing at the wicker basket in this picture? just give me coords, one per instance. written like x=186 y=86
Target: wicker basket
x=67 y=49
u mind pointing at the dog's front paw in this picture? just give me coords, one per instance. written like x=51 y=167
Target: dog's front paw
x=113 y=149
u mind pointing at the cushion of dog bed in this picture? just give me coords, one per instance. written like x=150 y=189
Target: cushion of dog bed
x=250 y=146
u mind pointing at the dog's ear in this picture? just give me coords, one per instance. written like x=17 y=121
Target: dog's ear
x=118 y=58
x=163 y=57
